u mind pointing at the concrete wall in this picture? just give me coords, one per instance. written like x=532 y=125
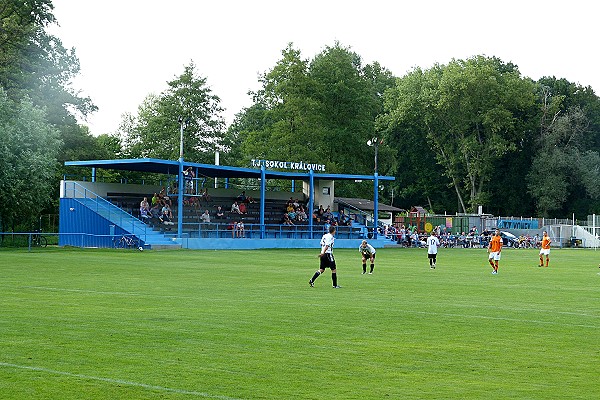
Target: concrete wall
x=324 y=193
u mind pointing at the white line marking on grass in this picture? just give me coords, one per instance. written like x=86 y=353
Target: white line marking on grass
x=53 y=289
x=119 y=381
x=533 y=321
x=515 y=309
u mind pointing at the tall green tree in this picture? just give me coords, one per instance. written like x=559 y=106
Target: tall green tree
x=320 y=110
x=563 y=165
x=35 y=75
x=29 y=146
x=350 y=98
x=155 y=130
x=470 y=111
x=284 y=122
x=36 y=65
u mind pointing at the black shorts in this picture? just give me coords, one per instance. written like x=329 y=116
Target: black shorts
x=327 y=261
x=431 y=255
x=368 y=256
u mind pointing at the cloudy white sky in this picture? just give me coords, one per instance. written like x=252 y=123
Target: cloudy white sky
x=131 y=48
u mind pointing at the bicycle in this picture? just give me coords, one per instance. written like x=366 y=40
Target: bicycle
x=38 y=240
x=128 y=242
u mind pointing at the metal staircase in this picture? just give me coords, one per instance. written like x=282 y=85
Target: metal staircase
x=118 y=217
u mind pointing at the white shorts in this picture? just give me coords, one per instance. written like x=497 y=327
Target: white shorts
x=494 y=255
x=545 y=252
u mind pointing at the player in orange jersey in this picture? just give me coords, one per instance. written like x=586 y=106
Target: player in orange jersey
x=545 y=250
x=494 y=249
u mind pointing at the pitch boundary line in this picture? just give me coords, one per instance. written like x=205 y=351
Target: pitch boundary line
x=119 y=381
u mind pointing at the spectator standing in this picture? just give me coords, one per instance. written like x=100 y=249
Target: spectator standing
x=189 y=176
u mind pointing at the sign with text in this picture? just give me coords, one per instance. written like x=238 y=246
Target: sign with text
x=517 y=224
x=299 y=166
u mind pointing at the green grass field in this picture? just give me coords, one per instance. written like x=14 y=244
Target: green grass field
x=107 y=324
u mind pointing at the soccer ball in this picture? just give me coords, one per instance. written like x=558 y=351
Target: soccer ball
x=140 y=248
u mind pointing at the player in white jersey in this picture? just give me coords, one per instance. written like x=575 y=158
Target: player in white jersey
x=326 y=258
x=432 y=248
x=367 y=251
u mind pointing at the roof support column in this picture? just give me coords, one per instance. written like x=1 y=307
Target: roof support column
x=311 y=200
x=375 y=204
x=180 y=200
x=263 y=193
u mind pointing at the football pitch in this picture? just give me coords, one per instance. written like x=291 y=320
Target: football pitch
x=123 y=324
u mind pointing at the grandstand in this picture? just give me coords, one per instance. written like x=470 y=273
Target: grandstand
x=95 y=214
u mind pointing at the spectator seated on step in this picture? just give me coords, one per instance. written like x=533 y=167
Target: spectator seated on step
x=166 y=220
x=285 y=220
x=235 y=208
x=155 y=213
x=205 y=196
x=145 y=215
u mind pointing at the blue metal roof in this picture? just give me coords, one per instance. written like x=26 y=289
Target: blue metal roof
x=170 y=167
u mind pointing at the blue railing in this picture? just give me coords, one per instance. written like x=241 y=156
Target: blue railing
x=271 y=231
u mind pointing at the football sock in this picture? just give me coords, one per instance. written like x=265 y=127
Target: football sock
x=364 y=267
x=334 y=279
x=315 y=276
x=372 y=266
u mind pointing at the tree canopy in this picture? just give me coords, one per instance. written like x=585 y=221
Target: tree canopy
x=154 y=132
x=457 y=135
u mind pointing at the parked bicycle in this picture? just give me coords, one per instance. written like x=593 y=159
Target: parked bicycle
x=38 y=240
x=128 y=242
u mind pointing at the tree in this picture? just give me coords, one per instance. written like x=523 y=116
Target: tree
x=320 y=110
x=562 y=164
x=155 y=131
x=35 y=75
x=28 y=149
x=284 y=122
x=35 y=65
x=469 y=110
x=350 y=98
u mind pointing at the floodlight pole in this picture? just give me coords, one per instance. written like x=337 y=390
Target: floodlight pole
x=375 y=143
x=180 y=181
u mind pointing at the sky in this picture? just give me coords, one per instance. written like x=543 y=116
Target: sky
x=129 y=49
